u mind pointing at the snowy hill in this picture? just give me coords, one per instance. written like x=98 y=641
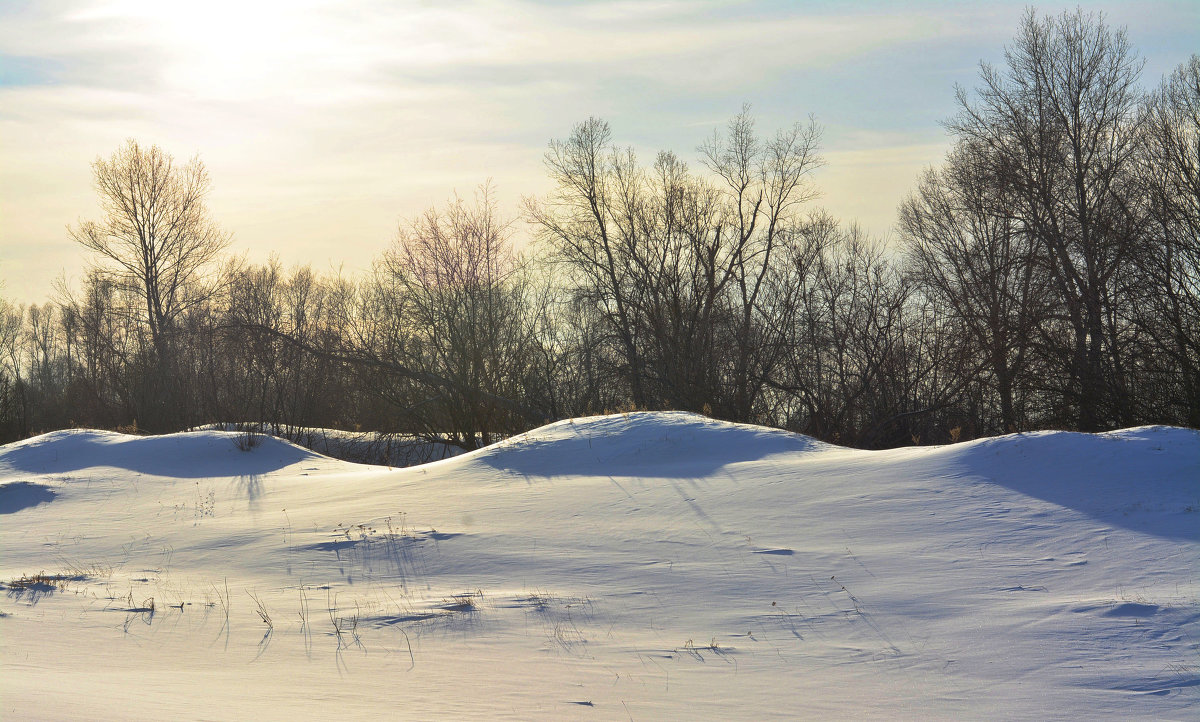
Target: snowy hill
x=643 y=566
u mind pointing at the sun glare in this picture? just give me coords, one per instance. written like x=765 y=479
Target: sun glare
x=224 y=49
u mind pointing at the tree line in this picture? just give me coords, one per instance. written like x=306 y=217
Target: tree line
x=1045 y=275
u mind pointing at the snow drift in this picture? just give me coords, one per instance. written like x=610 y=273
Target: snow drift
x=643 y=566
x=673 y=444
x=188 y=455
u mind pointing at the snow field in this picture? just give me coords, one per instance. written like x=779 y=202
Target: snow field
x=644 y=566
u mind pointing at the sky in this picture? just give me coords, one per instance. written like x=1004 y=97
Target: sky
x=324 y=125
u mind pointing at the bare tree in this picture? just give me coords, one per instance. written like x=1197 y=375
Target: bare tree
x=450 y=301
x=155 y=241
x=678 y=264
x=764 y=182
x=14 y=416
x=108 y=342
x=1061 y=126
x=974 y=259
x=581 y=220
x=847 y=340
x=1169 y=168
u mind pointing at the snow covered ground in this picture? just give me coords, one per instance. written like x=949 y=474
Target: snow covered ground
x=641 y=566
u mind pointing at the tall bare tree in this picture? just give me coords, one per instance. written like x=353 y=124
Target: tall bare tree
x=581 y=219
x=156 y=238
x=155 y=241
x=764 y=182
x=1061 y=125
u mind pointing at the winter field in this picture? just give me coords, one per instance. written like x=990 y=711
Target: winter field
x=642 y=566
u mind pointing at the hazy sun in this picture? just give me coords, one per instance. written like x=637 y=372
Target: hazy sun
x=224 y=49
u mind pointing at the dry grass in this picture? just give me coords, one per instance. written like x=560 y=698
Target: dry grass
x=466 y=602
x=41 y=583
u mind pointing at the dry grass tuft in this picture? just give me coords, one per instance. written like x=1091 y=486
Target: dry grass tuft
x=41 y=582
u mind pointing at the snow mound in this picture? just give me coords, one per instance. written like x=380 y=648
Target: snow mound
x=194 y=454
x=648 y=444
x=1116 y=477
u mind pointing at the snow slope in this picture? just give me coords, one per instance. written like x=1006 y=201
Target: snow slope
x=644 y=566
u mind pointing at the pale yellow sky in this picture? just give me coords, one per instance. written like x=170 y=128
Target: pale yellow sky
x=323 y=124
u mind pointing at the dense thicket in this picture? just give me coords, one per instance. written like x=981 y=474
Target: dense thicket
x=1047 y=275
